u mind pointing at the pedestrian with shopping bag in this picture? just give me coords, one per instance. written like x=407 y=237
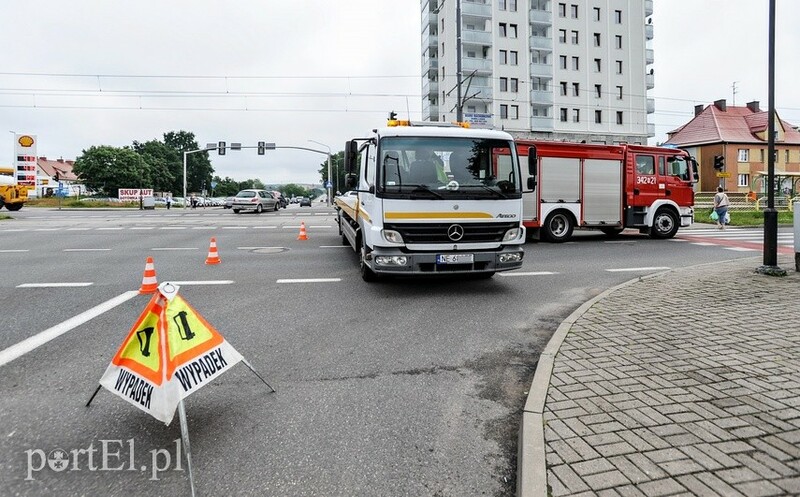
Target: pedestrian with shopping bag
x=720 y=212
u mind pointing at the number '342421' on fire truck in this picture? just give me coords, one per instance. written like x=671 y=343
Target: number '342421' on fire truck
x=606 y=187
x=432 y=198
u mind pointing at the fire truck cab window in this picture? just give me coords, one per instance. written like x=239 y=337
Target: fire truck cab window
x=645 y=164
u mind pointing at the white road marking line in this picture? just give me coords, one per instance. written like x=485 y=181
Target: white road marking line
x=529 y=273
x=740 y=249
x=47 y=229
x=9 y=251
x=172 y=228
x=15 y=230
x=143 y=227
x=320 y=226
x=234 y=227
x=677 y=240
x=53 y=285
x=619 y=241
x=203 y=282
x=633 y=269
x=204 y=227
x=21 y=348
x=264 y=227
x=704 y=244
x=174 y=248
x=256 y=248
x=335 y=246
x=310 y=280
x=87 y=250
x=79 y=229
x=109 y=229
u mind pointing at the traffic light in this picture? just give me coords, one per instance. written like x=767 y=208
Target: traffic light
x=221 y=148
x=392 y=115
x=58 y=176
x=719 y=162
x=261 y=148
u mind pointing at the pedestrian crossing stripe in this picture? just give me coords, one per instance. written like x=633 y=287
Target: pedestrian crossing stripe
x=189 y=335
x=141 y=350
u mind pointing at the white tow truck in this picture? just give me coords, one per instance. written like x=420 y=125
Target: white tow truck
x=431 y=199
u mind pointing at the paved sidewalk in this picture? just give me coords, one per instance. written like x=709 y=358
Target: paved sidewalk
x=683 y=383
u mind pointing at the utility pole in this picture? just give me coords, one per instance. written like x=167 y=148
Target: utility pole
x=733 y=86
x=459 y=103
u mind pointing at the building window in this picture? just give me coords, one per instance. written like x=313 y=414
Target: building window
x=597 y=65
x=618 y=41
x=562 y=35
x=471 y=54
x=744 y=155
x=576 y=89
x=574 y=37
x=503 y=84
x=501 y=4
x=645 y=164
x=743 y=180
x=562 y=10
x=563 y=85
x=576 y=63
x=502 y=30
x=763 y=155
x=576 y=115
x=787 y=155
x=503 y=56
x=597 y=39
x=598 y=91
x=619 y=93
x=503 y=111
x=514 y=85
x=515 y=112
x=512 y=30
x=563 y=115
x=512 y=5
x=598 y=116
x=514 y=57
x=619 y=117
x=562 y=61
x=618 y=17
x=574 y=11
x=619 y=67
x=596 y=13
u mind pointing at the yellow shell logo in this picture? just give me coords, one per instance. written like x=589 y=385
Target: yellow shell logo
x=25 y=141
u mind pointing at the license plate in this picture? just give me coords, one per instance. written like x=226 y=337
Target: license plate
x=454 y=259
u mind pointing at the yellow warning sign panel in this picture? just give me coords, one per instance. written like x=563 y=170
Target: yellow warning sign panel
x=141 y=350
x=189 y=335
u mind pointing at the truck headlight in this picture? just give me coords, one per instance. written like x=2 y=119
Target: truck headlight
x=511 y=234
x=513 y=257
x=392 y=236
x=391 y=260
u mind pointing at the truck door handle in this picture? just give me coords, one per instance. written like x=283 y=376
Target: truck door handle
x=636 y=191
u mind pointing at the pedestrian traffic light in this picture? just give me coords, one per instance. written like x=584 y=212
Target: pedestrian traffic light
x=719 y=162
x=221 y=148
x=261 y=148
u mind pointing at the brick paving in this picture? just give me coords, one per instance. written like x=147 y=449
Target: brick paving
x=686 y=383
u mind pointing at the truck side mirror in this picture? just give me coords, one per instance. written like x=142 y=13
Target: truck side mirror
x=350 y=156
x=350 y=181
x=532 y=161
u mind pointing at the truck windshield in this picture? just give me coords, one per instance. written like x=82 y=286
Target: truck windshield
x=447 y=168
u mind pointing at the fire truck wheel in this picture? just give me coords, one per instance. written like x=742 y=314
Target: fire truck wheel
x=558 y=227
x=665 y=224
x=367 y=274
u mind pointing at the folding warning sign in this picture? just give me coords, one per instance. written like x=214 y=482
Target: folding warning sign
x=169 y=353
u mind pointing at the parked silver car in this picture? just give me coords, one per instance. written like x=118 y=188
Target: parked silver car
x=254 y=200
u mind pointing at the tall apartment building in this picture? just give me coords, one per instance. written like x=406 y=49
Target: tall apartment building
x=560 y=70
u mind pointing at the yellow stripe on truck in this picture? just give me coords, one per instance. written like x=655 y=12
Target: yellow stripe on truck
x=438 y=215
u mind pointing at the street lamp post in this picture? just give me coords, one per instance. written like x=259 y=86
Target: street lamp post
x=186 y=153
x=328 y=188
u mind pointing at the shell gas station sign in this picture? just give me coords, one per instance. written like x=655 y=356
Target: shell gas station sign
x=25 y=164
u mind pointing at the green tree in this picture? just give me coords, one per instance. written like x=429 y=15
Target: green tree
x=226 y=187
x=337 y=170
x=198 y=166
x=292 y=190
x=165 y=163
x=108 y=169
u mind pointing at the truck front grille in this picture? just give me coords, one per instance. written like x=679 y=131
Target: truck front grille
x=437 y=232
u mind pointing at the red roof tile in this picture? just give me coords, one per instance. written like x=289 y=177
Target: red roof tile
x=64 y=168
x=733 y=125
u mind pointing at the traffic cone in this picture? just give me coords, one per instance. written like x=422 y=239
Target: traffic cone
x=302 y=235
x=149 y=282
x=213 y=255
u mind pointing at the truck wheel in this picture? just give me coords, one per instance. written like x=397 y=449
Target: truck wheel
x=13 y=207
x=558 y=227
x=367 y=274
x=612 y=232
x=665 y=224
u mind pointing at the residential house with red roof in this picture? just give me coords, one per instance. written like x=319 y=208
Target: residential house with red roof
x=739 y=135
x=50 y=172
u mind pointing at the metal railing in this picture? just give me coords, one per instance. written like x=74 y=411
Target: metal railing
x=745 y=202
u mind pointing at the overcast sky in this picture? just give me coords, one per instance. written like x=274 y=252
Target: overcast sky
x=106 y=72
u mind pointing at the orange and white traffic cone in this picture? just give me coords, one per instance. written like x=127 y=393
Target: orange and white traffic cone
x=149 y=282
x=213 y=255
x=302 y=235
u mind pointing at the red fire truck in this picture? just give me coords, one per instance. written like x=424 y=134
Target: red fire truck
x=606 y=187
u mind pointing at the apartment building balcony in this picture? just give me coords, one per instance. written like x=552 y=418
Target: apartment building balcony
x=648 y=32
x=542 y=70
x=476 y=37
x=649 y=81
x=541 y=97
x=429 y=18
x=541 y=43
x=651 y=130
x=648 y=8
x=429 y=41
x=476 y=9
x=479 y=92
x=430 y=87
x=543 y=17
x=648 y=56
x=539 y=123
x=651 y=105
x=469 y=64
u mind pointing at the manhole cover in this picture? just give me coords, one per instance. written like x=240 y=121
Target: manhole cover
x=269 y=250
